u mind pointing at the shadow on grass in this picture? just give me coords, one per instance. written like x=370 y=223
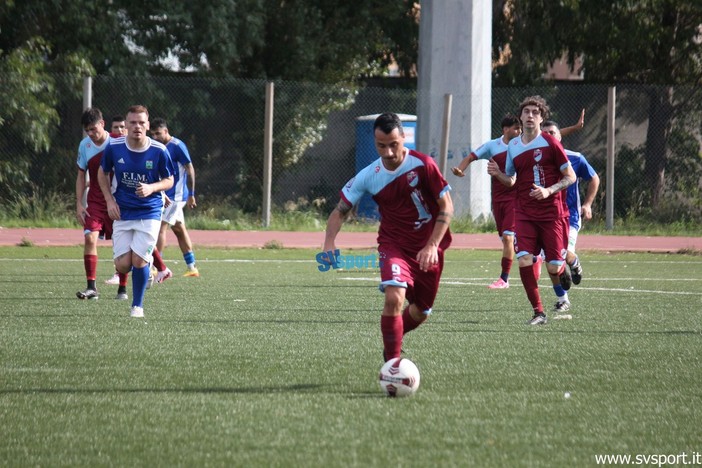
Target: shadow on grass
x=298 y=388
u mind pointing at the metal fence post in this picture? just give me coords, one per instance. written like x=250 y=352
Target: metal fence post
x=443 y=154
x=611 y=117
x=268 y=155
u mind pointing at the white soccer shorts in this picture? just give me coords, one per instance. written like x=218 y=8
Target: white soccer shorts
x=138 y=235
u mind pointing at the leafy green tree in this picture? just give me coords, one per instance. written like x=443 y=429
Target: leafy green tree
x=657 y=43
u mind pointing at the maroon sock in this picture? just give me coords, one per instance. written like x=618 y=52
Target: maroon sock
x=391 y=329
x=408 y=322
x=90 y=262
x=158 y=261
x=531 y=287
x=123 y=278
x=506 y=265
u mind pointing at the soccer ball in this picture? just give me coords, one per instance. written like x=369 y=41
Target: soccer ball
x=399 y=378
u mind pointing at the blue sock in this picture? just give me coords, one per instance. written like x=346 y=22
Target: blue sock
x=189 y=258
x=139 y=278
x=560 y=292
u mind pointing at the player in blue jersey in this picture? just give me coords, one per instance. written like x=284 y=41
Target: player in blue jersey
x=577 y=209
x=143 y=169
x=415 y=212
x=502 y=197
x=177 y=197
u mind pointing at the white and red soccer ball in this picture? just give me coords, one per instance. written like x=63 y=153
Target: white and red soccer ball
x=399 y=377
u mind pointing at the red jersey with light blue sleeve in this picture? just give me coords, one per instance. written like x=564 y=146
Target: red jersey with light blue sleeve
x=134 y=167
x=538 y=162
x=496 y=150
x=89 y=159
x=406 y=197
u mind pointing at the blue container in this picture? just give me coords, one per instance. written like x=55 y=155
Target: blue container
x=366 y=154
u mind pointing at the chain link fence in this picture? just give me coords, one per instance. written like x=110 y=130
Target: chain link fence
x=658 y=172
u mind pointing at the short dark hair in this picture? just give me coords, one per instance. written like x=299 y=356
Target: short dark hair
x=388 y=122
x=550 y=123
x=510 y=120
x=91 y=115
x=158 y=122
x=118 y=118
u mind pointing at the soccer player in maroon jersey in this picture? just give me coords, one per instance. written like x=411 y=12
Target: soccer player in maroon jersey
x=502 y=197
x=415 y=212
x=93 y=217
x=539 y=169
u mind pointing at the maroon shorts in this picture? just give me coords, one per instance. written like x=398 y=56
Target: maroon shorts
x=399 y=268
x=551 y=236
x=503 y=213
x=98 y=220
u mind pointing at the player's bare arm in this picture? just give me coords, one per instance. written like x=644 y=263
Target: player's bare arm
x=104 y=183
x=494 y=170
x=541 y=193
x=574 y=128
x=190 y=170
x=81 y=212
x=334 y=223
x=586 y=207
x=144 y=190
x=429 y=255
x=459 y=171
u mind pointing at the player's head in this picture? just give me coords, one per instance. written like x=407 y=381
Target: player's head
x=93 y=123
x=511 y=126
x=118 y=127
x=552 y=128
x=533 y=111
x=137 y=122
x=388 y=122
x=159 y=130
x=389 y=139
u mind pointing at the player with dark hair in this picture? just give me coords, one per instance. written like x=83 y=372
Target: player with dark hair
x=182 y=193
x=539 y=169
x=502 y=196
x=415 y=212
x=93 y=214
x=143 y=169
x=577 y=210
x=118 y=128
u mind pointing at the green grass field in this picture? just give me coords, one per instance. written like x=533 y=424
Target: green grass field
x=265 y=361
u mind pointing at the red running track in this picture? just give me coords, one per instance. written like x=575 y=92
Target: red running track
x=349 y=240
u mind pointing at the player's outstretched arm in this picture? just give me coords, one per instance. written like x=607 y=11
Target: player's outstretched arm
x=459 y=171
x=574 y=128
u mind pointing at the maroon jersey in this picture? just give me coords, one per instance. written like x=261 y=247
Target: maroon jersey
x=539 y=162
x=406 y=197
x=89 y=159
x=496 y=150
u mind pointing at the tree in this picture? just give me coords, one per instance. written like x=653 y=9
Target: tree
x=318 y=41
x=657 y=43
